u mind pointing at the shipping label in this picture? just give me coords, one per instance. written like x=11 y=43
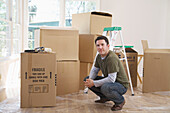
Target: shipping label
x=38 y=88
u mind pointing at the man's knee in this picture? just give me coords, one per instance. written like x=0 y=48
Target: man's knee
x=86 y=78
x=105 y=88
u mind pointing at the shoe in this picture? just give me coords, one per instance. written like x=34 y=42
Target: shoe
x=102 y=100
x=117 y=107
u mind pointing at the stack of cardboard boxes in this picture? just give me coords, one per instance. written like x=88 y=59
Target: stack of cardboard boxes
x=65 y=43
x=90 y=26
x=45 y=75
x=87 y=53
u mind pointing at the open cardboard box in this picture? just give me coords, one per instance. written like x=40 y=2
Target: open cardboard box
x=91 y=22
x=156 y=70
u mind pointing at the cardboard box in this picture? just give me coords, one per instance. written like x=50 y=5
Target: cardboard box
x=67 y=77
x=87 y=47
x=156 y=70
x=64 y=42
x=38 y=79
x=91 y=22
x=132 y=58
x=85 y=69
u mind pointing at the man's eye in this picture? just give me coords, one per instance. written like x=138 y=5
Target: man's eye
x=102 y=44
x=97 y=45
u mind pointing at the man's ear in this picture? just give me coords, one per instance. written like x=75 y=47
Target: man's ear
x=108 y=45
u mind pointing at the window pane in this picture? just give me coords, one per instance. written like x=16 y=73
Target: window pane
x=43 y=10
x=31 y=36
x=3 y=9
x=15 y=46
x=14 y=11
x=5 y=41
x=42 y=13
x=16 y=37
x=73 y=7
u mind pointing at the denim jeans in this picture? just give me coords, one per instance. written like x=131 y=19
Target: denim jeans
x=110 y=91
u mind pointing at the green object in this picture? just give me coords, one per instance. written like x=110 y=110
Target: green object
x=125 y=46
x=112 y=29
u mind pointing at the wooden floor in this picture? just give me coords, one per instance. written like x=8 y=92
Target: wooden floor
x=158 y=102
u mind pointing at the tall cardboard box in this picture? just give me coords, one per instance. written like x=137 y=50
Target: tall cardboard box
x=156 y=70
x=67 y=77
x=38 y=79
x=85 y=69
x=87 y=47
x=63 y=41
x=84 y=72
x=132 y=58
x=91 y=22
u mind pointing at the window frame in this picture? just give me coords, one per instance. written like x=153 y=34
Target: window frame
x=61 y=23
x=11 y=23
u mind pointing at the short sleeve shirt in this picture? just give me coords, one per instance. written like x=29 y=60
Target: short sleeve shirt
x=111 y=64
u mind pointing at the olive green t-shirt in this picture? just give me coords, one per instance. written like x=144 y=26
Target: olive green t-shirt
x=111 y=64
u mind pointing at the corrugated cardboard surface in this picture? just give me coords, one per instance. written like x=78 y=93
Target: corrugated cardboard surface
x=83 y=24
x=156 y=70
x=87 y=48
x=38 y=79
x=67 y=77
x=84 y=72
x=91 y=23
x=65 y=43
x=132 y=57
x=98 y=23
x=85 y=69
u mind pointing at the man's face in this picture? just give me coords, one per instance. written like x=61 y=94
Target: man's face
x=102 y=47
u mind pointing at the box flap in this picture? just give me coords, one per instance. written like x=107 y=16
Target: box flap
x=157 y=51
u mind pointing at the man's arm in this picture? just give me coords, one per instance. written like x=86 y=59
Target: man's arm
x=93 y=73
x=111 y=78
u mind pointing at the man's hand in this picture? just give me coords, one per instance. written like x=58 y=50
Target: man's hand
x=89 y=83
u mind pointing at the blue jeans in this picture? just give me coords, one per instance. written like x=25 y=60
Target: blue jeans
x=110 y=91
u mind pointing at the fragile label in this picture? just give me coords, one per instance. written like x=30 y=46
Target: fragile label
x=38 y=75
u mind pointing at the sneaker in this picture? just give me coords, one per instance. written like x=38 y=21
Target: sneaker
x=102 y=100
x=117 y=107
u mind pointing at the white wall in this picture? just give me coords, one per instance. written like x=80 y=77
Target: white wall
x=167 y=41
x=141 y=19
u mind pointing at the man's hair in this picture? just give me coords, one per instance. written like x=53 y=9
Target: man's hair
x=102 y=38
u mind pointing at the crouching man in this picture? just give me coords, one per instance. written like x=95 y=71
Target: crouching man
x=114 y=84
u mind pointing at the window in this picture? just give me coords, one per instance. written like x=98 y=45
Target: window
x=42 y=13
x=9 y=28
x=73 y=7
x=55 y=13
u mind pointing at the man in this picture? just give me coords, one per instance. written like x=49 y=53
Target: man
x=114 y=84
